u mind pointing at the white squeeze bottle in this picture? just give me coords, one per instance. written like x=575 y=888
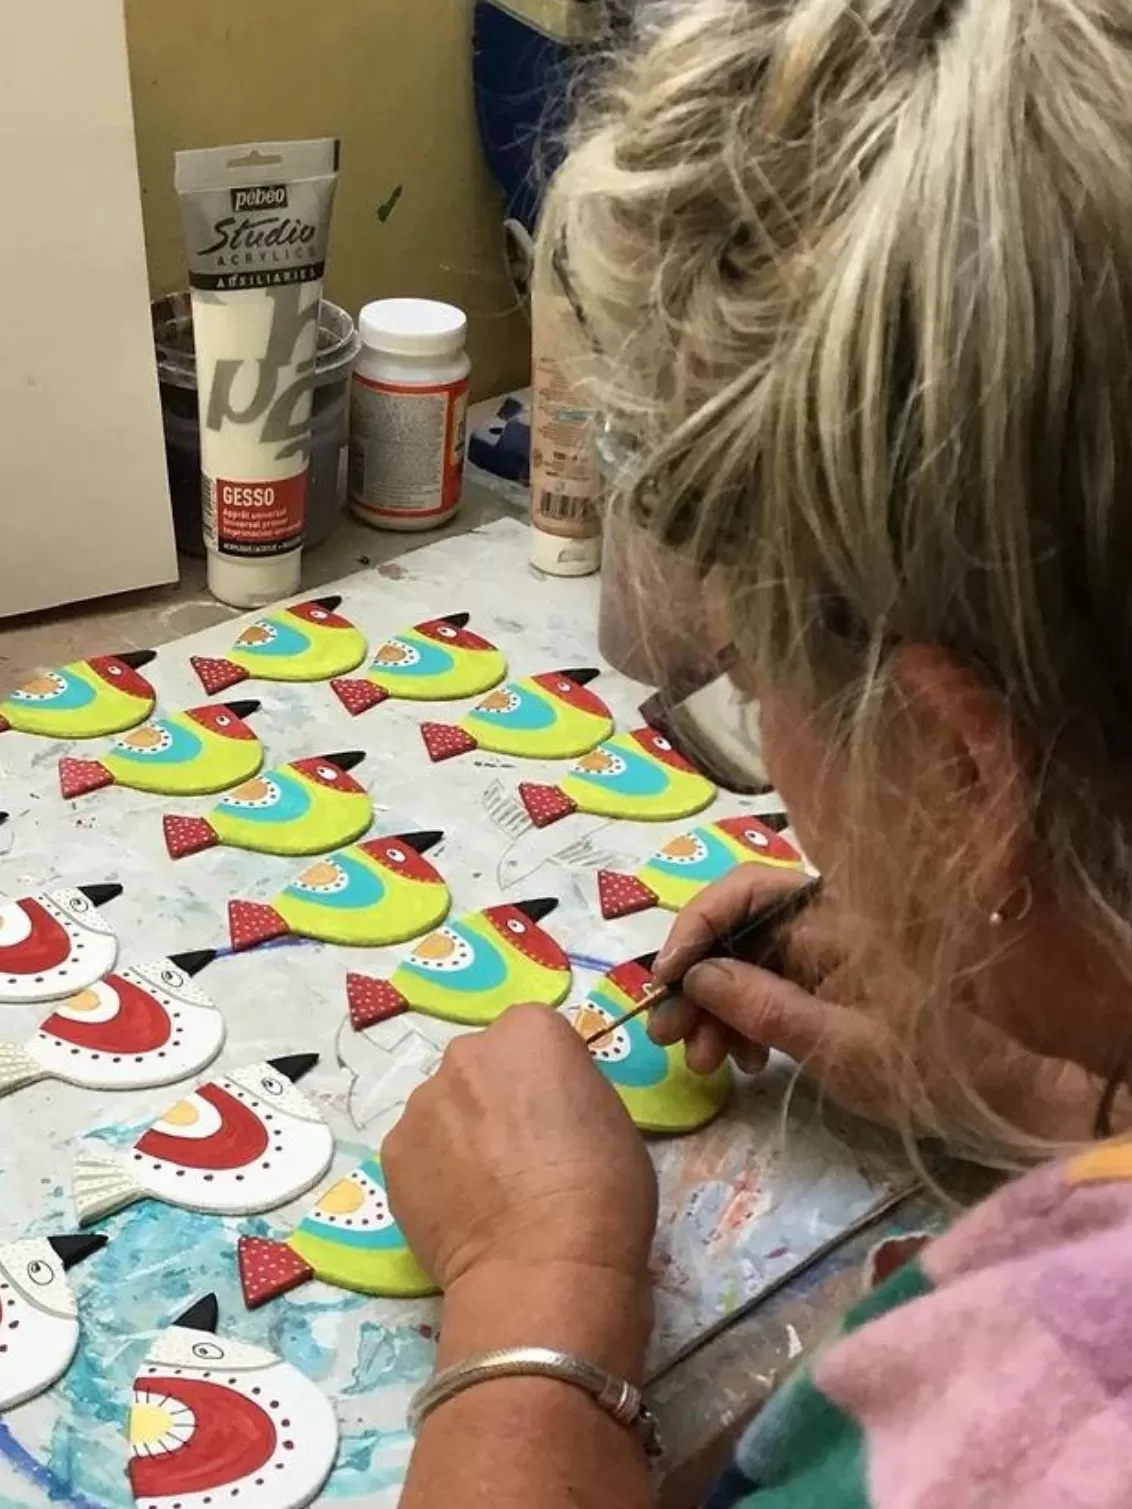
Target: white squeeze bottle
x=257 y=223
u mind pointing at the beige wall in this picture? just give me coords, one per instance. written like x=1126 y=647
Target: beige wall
x=392 y=79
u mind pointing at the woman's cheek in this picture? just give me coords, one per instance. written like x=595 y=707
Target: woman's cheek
x=798 y=765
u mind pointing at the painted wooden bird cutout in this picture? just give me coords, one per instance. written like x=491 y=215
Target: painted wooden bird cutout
x=689 y=863
x=471 y=970
x=195 y=753
x=436 y=661
x=553 y=716
x=306 y=642
x=638 y=776
x=306 y=807
x=85 y=700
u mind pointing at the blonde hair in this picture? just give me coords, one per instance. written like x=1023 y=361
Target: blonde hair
x=860 y=272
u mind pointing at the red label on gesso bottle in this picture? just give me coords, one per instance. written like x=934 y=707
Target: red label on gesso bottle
x=256 y=518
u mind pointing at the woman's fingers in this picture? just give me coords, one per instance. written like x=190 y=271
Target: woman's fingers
x=763 y=1009
x=518 y=1152
x=719 y=910
x=752 y=1058
x=708 y=1048
x=679 y=1021
x=673 y=1021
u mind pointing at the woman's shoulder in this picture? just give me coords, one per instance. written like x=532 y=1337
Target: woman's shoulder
x=1038 y=1220
x=993 y=1368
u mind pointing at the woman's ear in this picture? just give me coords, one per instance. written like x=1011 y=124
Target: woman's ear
x=988 y=776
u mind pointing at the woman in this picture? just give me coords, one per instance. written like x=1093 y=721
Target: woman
x=861 y=272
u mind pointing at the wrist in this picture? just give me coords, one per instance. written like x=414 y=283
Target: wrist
x=600 y=1314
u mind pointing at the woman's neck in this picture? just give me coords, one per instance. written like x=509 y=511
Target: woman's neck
x=1059 y=988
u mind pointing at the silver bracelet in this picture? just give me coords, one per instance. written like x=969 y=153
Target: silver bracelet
x=612 y=1394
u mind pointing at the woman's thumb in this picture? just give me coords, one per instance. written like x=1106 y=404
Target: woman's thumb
x=768 y=1010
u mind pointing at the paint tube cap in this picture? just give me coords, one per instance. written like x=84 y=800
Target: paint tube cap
x=414 y=327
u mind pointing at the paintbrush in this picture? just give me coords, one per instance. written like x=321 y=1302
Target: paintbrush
x=757 y=942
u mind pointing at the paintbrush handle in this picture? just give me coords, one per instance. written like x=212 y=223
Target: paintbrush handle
x=756 y=942
x=654 y=997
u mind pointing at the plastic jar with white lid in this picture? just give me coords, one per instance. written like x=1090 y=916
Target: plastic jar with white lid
x=408 y=414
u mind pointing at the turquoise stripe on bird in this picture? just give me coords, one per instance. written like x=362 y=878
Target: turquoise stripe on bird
x=365 y=1236
x=363 y=886
x=522 y=709
x=471 y=963
x=644 y=1064
x=178 y=745
x=715 y=859
x=286 y=640
x=72 y=692
x=622 y=770
x=422 y=658
x=290 y=800
x=385 y=1239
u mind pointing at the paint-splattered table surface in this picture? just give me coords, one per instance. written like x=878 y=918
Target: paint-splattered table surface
x=744 y=1203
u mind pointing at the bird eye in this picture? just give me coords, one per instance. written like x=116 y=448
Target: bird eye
x=327 y=772
x=40 y=1273
x=208 y=1351
x=172 y=978
x=272 y=1086
x=223 y=720
x=114 y=670
x=319 y=614
x=516 y=926
x=446 y=631
x=565 y=686
x=759 y=840
x=398 y=856
x=663 y=745
x=79 y=903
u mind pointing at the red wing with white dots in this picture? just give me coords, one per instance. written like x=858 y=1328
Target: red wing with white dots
x=239 y=1145
x=214 y=1420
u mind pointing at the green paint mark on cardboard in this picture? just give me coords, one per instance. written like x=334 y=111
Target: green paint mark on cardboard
x=384 y=211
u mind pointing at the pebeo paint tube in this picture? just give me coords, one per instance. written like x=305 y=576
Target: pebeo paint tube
x=257 y=225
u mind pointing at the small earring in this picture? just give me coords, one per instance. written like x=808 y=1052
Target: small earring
x=1016 y=908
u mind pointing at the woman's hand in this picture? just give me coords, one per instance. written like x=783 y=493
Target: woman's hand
x=523 y=1187
x=518 y=1151
x=727 y=1008
x=845 y=1033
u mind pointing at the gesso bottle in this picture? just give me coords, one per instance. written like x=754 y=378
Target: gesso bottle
x=257 y=224
x=408 y=414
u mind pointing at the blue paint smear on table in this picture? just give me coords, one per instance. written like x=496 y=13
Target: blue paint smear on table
x=158 y=1261
x=12 y=1452
x=589 y=962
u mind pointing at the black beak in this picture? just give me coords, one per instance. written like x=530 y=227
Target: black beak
x=135 y=659
x=777 y=822
x=348 y=761
x=646 y=961
x=72 y=1250
x=203 y=1316
x=457 y=620
x=99 y=895
x=583 y=676
x=331 y=604
x=192 y=964
x=3 y=817
x=244 y=709
x=294 y=1066
x=422 y=842
x=537 y=910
